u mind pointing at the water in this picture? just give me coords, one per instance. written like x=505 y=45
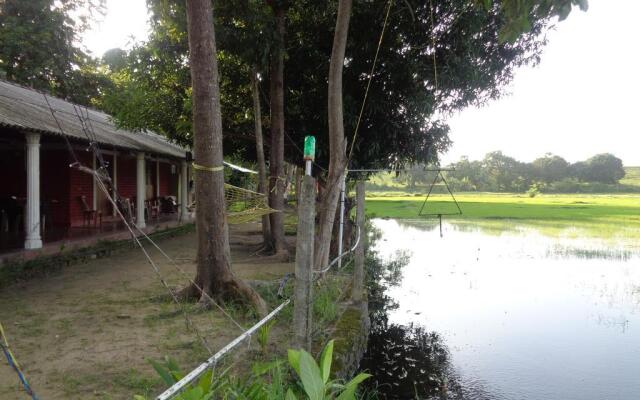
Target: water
x=506 y=312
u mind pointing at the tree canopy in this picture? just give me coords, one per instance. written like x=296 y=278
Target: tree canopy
x=38 y=47
x=404 y=118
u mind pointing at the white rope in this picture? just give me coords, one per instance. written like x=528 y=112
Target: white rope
x=335 y=260
x=213 y=360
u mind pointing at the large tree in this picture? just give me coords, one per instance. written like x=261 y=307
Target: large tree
x=38 y=47
x=436 y=57
x=214 y=276
x=337 y=142
x=550 y=168
x=276 y=154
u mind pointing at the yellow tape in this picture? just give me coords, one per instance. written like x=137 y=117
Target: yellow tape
x=208 y=169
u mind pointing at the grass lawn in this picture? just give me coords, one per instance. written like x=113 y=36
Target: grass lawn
x=620 y=210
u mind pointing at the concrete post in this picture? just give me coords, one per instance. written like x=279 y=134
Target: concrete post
x=140 y=191
x=184 y=191
x=357 y=293
x=303 y=306
x=33 y=239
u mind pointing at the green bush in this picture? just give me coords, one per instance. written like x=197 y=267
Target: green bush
x=268 y=381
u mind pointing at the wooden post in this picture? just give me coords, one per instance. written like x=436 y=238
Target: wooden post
x=358 y=271
x=303 y=306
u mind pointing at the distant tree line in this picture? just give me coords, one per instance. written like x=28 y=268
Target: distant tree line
x=498 y=172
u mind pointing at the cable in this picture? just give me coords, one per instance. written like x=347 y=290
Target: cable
x=99 y=179
x=366 y=92
x=13 y=363
x=155 y=245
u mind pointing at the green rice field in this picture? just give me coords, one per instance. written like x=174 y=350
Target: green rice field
x=599 y=214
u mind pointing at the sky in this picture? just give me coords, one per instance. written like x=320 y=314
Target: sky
x=579 y=101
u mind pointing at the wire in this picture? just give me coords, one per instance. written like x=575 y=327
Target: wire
x=99 y=179
x=154 y=266
x=13 y=363
x=366 y=92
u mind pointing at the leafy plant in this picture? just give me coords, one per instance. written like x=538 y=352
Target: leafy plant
x=313 y=381
x=534 y=190
x=315 y=378
x=263 y=335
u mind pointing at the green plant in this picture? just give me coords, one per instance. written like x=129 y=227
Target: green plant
x=313 y=381
x=325 y=307
x=315 y=378
x=533 y=190
x=263 y=335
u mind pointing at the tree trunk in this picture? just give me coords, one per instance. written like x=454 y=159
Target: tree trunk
x=337 y=144
x=299 y=175
x=276 y=155
x=262 y=168
x=213 y=273
x=290 y=171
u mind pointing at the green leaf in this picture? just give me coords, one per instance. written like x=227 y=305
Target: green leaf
x=294 y=360
x=349 y=392
x=195 y=393
x=138 y=397
x=310 y=377
x=163 y=372
x=325 y=361
x=261 y=368
x=290 y=395
x=205 y=381
x=358 y=379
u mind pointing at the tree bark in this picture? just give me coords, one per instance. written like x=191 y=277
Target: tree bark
x=213 y=273
x=263 y=186
x=276 y=155
x=337 y=143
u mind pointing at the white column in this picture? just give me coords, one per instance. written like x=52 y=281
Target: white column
x=32 y=212
x=184 y=191
x=140 y=191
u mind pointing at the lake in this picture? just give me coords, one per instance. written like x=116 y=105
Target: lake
x=501 y=310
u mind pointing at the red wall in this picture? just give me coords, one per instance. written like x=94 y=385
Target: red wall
x=61 y=186
x=80 y=184
x=126 y=172
x=165 y=178
x=13 y=179
x=54 y=187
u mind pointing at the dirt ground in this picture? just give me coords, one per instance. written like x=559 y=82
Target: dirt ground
x=89 y=331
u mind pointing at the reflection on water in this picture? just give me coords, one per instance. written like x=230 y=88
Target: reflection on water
x=483 y=314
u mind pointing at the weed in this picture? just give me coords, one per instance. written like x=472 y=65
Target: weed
x=263 y=335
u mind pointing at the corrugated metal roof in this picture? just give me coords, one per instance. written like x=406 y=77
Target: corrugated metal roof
x=27 y=109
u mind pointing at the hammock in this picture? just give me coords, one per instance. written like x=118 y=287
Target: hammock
x=244 y=205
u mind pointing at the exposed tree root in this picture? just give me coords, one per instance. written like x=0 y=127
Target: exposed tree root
x=281 y=257
x=230 y=289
